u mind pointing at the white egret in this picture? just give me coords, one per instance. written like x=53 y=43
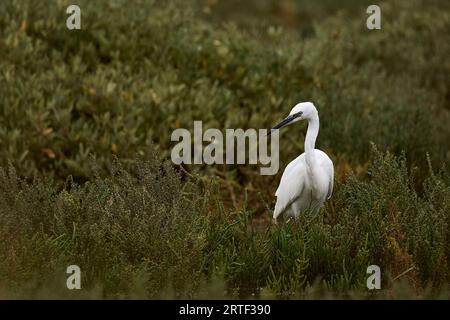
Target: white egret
x=307 y=181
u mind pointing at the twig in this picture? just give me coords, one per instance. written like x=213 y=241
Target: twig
x=403 y=273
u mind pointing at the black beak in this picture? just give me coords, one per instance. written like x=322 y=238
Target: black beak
x=284 y=122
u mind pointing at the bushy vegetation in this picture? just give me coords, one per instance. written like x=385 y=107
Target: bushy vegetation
x=86 y=117
x=142 y=232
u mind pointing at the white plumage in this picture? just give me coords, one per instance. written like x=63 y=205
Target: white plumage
x=307 y=181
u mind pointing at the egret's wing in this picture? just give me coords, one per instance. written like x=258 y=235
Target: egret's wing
x=327 y=166
x=290 y=188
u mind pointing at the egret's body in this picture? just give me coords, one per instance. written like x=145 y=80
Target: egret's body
x=307 y=181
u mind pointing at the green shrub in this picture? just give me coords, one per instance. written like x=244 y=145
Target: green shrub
x=380 y=220
x=135 y=223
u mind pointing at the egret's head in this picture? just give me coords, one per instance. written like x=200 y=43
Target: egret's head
x=301 y=111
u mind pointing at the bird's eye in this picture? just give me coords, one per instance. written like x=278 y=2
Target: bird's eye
x=298 y=114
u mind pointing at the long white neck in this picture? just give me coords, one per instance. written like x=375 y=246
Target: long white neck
x=310 y=140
